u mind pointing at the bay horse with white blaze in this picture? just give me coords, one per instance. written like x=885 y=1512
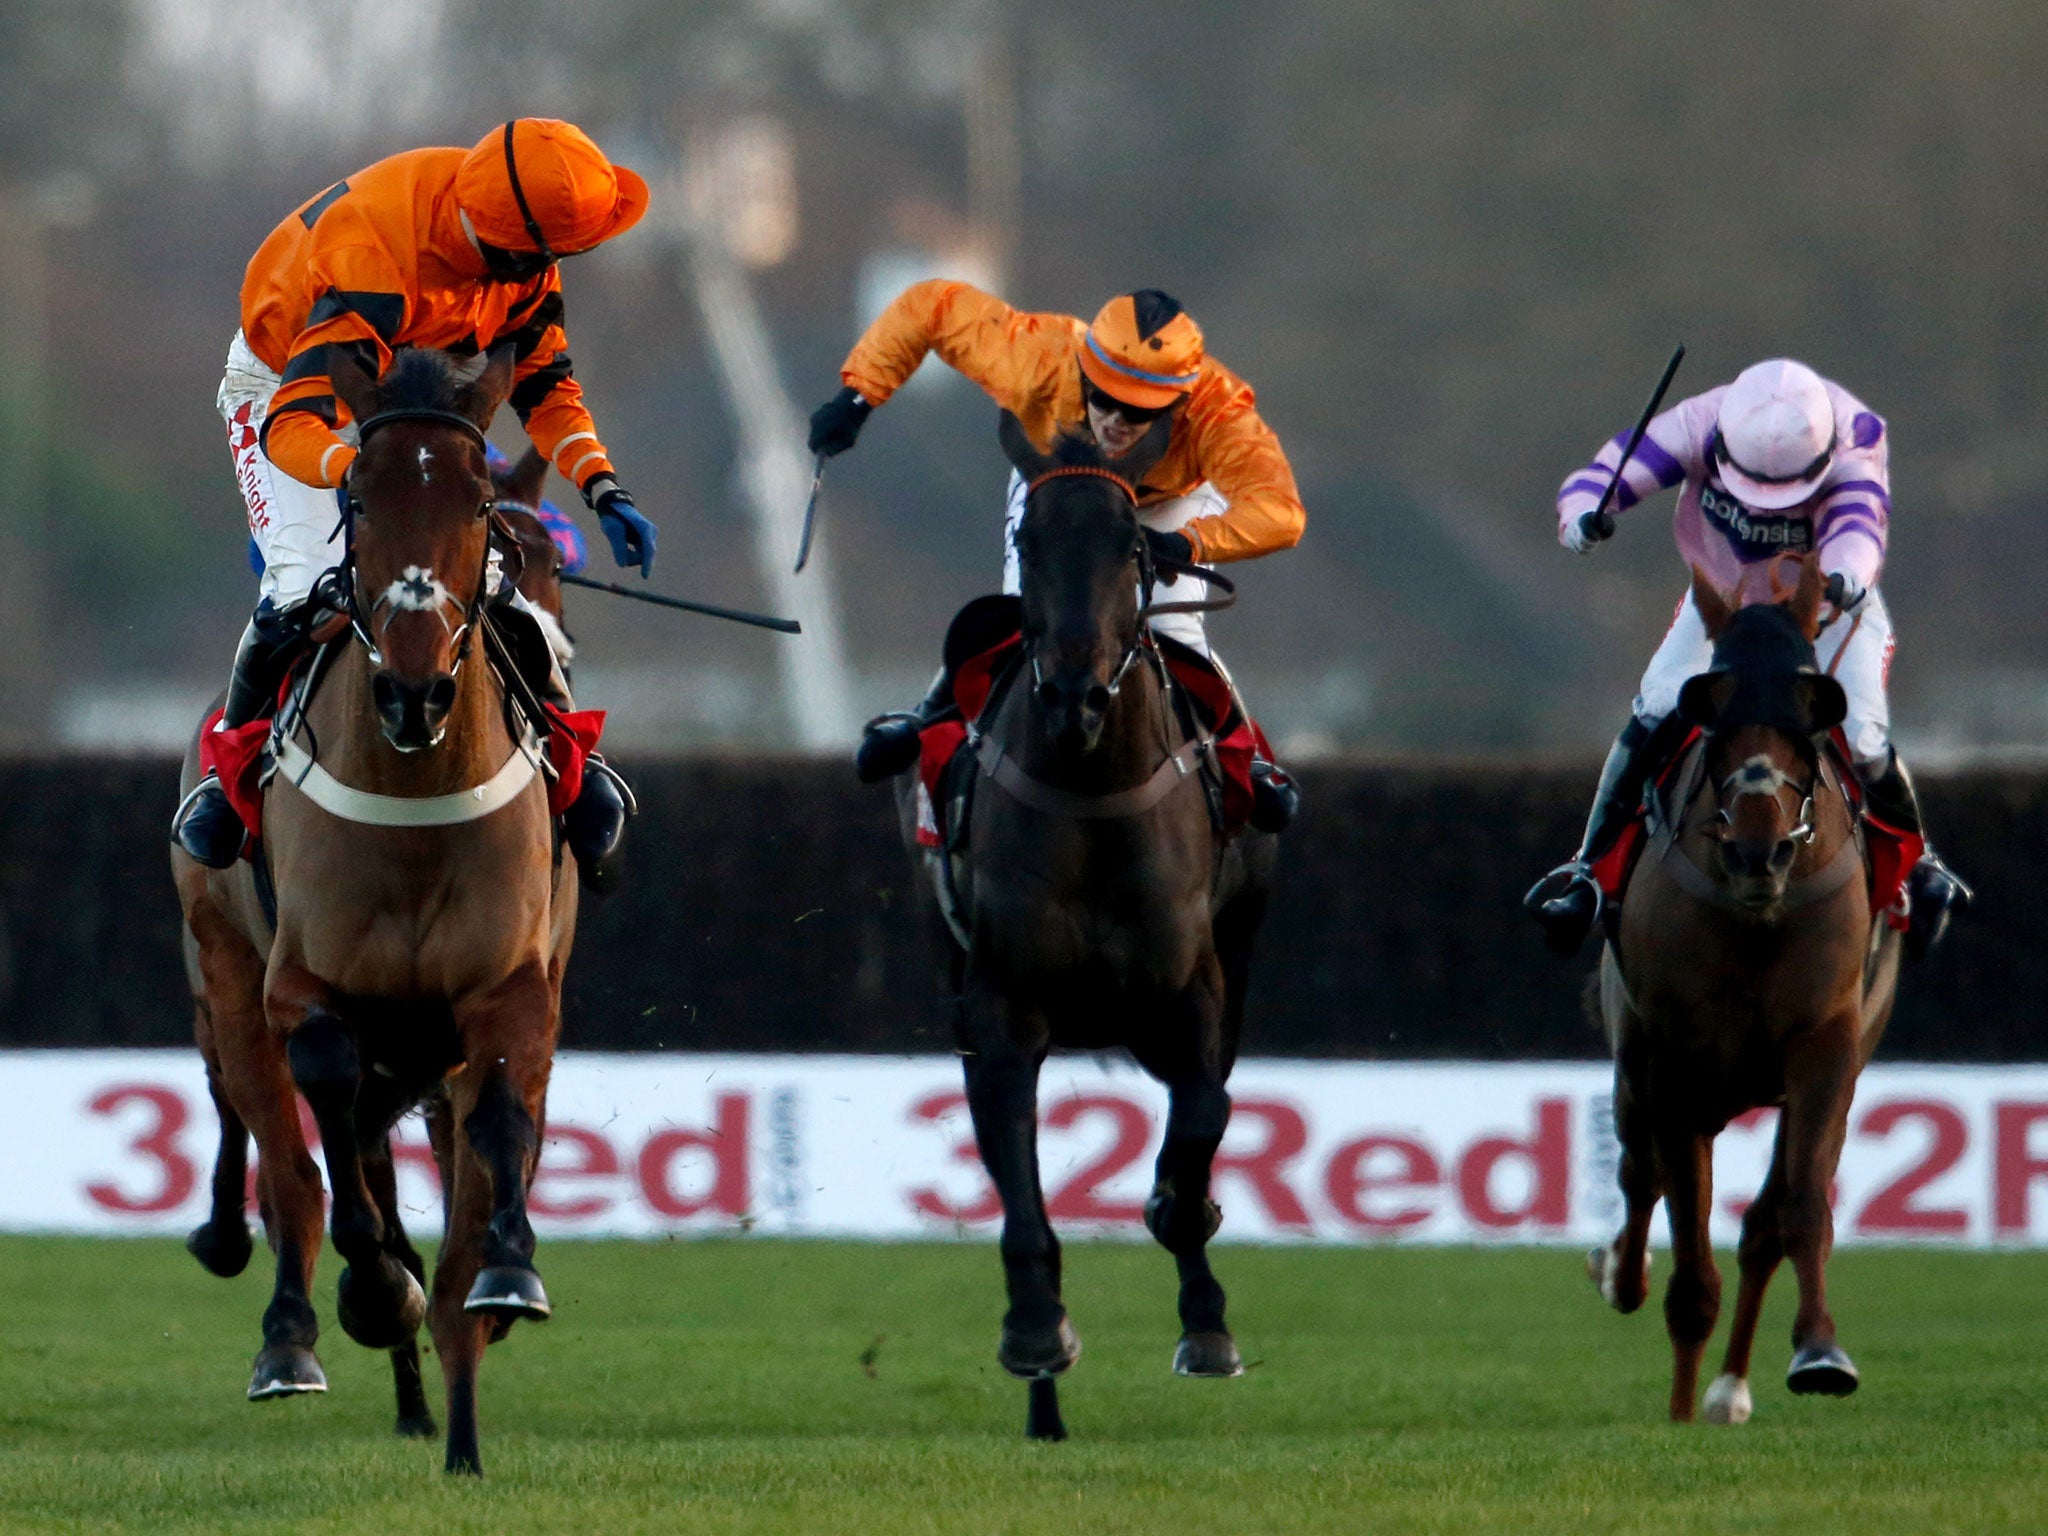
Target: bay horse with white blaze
x=423 y=917
x=1098 y=902
x=221 y=1243
x=1749 y=970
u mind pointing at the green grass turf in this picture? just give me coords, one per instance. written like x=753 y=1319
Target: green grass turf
x=719 y=1386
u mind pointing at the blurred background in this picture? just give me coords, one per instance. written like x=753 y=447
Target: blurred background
x=1449 y=244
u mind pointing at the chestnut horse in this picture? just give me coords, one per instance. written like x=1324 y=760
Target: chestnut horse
x=419 y=941
x=221 y=1242
x=1748 y=971
x=1100 y=905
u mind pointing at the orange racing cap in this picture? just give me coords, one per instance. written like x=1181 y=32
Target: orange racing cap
x=1143 y=349
x=539 y=184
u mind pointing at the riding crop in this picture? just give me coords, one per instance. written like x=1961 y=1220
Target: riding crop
x=737 y=615
x=1599 y=523
x=803 y=549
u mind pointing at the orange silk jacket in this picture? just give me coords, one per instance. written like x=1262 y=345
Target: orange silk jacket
x=1027 y=364
x=381 y=261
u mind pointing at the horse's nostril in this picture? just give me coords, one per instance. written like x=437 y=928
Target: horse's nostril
x=440 y=697
x=384 y=693
x=1096 y=699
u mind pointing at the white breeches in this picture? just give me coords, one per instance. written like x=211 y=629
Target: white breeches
x=1166 y=516
x=295 y=525
x=1856 y=650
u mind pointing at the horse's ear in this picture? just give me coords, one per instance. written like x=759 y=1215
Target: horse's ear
x=1824 y=702
x=354 y=385
x=481 y=400
x=1806 y=597
x=1715 y=610
x=522 y=483
x=1023 y=454
x=1144 y=455
x=1701 y=699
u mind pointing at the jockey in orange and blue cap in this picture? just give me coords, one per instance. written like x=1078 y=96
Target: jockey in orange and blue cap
x=453 y=249
x=1224 y=490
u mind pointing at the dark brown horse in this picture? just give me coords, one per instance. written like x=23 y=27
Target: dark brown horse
x=221 y=1242
x=1748 y=971
x=423 y=919
x=1099 y=904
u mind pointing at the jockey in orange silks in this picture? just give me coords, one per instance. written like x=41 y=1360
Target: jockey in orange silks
x=453 y=249
x=1223 y=492
x=1781 y=461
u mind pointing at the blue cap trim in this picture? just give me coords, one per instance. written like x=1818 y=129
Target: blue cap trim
x=1169 y=380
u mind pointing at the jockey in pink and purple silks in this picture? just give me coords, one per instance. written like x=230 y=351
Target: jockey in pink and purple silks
x=1781 y=461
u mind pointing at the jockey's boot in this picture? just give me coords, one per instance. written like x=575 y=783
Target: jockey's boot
x=1276 y=798
x=595 y=823
x=206 y=826
x=1567 y=901
x=1934 y=892
x=889 y=743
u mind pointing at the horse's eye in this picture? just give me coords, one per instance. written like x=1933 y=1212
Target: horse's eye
x=355 y=507
x=487 y=508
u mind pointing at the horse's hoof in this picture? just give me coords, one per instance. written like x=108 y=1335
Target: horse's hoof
x=1161 y=1211
x=509 y=1292
x=1727 y=1401
x=1825 y=1369
x=417 y=1427
x=1603 y=1268
x=1207 y=1354
x=1033 y=1352
x=285 y=1370
x=223 y=1250
x=367 y=1311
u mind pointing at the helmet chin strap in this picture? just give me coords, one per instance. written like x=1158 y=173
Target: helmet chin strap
x=533 y=230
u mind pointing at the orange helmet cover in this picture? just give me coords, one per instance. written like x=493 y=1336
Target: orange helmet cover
x=577 y=197
x=1144 y=349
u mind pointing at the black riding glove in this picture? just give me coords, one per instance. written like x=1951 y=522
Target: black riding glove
x=1843 y=592
x=631 y=535
x=836 y=424
x=1177 y=547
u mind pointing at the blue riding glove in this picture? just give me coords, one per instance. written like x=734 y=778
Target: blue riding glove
x=632 y=536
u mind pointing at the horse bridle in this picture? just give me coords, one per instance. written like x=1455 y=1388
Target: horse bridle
x=464 y=632
x=1760 y=776
x=1149 y=567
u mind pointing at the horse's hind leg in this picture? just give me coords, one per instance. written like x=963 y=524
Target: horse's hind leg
x=1179 y=1212
x=379 y=1303
x=221 y=1242
x=1728 y=1400
x=1622 y=1269
x=1692 y=1298
x=415 y=1418
x=1002 y=1097
x=1820 y=1079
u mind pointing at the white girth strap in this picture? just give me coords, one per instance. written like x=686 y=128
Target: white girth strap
x=337 y=799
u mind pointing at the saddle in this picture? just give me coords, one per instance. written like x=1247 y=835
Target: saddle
x=1222 y=738
x=1886 y=853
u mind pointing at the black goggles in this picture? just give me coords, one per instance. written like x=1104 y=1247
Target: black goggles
x=514 y=266
x=1108 y=404
x=1810 y=472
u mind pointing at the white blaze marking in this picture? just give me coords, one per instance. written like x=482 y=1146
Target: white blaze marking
x=426 y=469
x=416 y=591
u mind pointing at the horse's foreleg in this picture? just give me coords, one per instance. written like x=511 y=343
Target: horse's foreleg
x=1692 y=1298
x=1002 y=1097
x=221 y=1242
x=459 y=1334
x=1820 y=1080
x=380 y=1304
x=1728 y=1400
